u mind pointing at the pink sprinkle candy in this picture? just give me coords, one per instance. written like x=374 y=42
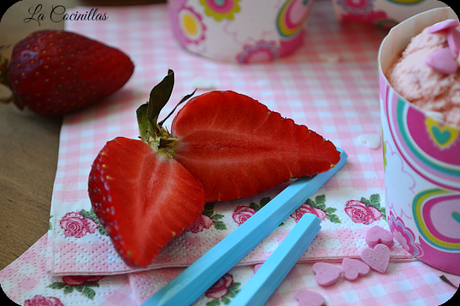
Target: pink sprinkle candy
x=352 y=268
x=326 y=274
x=377 y=258
x=442 y=61
x=443 y=25
x=376 y=235
x=453 y=40
x=309 y=298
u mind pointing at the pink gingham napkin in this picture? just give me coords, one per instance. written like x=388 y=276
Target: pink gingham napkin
x=338 y=100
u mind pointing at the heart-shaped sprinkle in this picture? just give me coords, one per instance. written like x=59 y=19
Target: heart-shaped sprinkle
x=443 y=25
x=377 y=258
x=326 y=274
x=442 y=61
x=352 y=268
x=376 y=235
x=453 y=40
x=371 y=140
x=309 y=298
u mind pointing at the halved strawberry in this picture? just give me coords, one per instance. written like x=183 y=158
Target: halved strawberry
x=142 y=196
x=237 y=147
x=223 y=146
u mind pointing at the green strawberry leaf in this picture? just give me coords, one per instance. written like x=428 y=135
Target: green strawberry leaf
x=159 y=96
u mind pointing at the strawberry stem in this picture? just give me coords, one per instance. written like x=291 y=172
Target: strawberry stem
x=151 y=131
x=185 y=98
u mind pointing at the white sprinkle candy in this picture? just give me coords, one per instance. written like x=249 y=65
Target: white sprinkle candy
x=202 y=83
x=371 y=140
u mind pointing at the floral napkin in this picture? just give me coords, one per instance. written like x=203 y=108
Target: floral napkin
x=27 y=282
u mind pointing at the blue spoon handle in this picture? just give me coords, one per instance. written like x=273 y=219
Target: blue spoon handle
x=261 y=286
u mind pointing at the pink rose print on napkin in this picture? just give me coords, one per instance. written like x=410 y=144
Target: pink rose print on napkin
x=306 y=208
x=223 y=290
x=365 y=211
x=318 y=208
x=207 y=219
x=78 y=280
x=80 y=283
x=203 y=222
x=40 y=300
x=76 y=225
x=242 y=213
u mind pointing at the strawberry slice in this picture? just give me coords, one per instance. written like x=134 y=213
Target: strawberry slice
x=237 y=147
x=143 y=197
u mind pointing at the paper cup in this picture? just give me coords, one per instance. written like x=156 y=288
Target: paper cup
x=422 y=162
x=243 y=31
x=381 y=13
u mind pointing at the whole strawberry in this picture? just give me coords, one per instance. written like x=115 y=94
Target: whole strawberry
x=56 y=72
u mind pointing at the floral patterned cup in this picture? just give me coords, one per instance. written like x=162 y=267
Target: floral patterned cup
x=422 y=162
x=381 y=13
x=243 y=31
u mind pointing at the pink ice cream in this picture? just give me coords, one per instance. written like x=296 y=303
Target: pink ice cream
x=427 y=73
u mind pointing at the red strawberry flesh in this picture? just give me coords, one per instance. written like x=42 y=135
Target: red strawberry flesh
x=237 y=147
x=142 y=198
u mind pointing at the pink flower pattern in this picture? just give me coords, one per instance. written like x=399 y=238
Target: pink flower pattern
x=203 y=222
x=361 y=213
x=306 y=208
x=76 y=225
x=78 y=280
x=220 y=288
x=261 y=51
x=404 y=235
x=242 y=213
x=40 y=300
